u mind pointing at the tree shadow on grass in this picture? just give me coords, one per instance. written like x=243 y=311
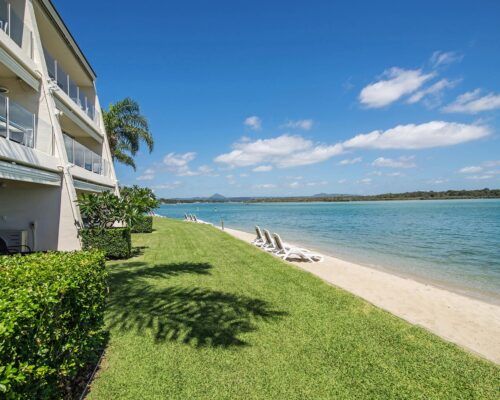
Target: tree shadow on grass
x=196 y=316
x=136 y=269
x=138 y=251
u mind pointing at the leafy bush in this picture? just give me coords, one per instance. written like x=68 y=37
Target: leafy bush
x=141 y=200
x=102 y=210
x=143 y=224
x=51 y=319
x=114 y=242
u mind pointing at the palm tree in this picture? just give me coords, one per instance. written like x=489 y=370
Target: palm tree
x=126 y=129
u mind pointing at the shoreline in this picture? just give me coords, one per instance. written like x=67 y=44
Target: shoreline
x=466 y=321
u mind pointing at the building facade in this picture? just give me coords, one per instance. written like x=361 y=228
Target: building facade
x=53 y=144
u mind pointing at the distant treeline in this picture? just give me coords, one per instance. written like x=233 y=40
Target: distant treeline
x=419 y=195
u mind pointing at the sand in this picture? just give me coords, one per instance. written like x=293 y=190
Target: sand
x=467 y=322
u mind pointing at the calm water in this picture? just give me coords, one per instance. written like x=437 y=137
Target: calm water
x=455 y=244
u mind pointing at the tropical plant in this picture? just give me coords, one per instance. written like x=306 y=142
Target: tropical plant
x=142 y=199
x=102 y=210
x=126 y=129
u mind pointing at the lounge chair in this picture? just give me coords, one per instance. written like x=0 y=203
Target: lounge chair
x=286 y=251
x=269 y=244
x=195 y=219
x=259 y=241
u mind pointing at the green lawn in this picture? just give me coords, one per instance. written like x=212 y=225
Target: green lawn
x=200 y=315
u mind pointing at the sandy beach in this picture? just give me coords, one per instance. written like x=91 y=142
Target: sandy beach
x=467 y=322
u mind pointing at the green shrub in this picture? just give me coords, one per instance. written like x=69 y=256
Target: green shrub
x=143 y=224
x=114 y=242
x=51 y=319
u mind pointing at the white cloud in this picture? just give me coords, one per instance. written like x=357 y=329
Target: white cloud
x=244 y=175
x=283 y=151
x=396 y=83
x=320 y=183
x=145 y=177
x=365 y=181
x=263 y=168
x=437 y=181
x=401 y=162
x=480 y=177
x=294 y=185
x=492 y=163
x=341 y=181
x=395 y=174
x=427 y=135
x=471 y=170
x=290 y=151
x=265 y=186
x=253 y=122
x=305 y=124
x=349 y=161
x=263 y=150
x=311 y=156
x=440 y=58
x=178 y=164
x=169 y=186
x=473 y=103
x=433 y=91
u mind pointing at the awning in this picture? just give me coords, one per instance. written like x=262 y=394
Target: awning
x=16 y=172
x=20 y=71
x=90 y=187
x=77 y=120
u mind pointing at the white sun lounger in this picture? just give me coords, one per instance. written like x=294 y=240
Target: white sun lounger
x=269 y=244
x=285 y=251
x=259 y=241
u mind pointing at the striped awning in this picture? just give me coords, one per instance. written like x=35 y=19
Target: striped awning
x=16 y=172
x=90 y=187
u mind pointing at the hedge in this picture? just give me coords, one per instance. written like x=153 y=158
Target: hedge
x=51 y=321
x=143 y=224
x=114 y=242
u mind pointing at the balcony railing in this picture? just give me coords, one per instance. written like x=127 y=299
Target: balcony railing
x=68 y=86
x=16 y=123
x=80 y=155
x=13 y=25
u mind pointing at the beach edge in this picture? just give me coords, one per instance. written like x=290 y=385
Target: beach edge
x=470 y=323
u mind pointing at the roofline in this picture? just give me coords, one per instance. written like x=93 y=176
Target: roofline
x=56 y=18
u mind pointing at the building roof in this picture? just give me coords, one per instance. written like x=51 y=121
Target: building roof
x=56 y=18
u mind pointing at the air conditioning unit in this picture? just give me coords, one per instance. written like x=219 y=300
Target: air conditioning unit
x=15 y=239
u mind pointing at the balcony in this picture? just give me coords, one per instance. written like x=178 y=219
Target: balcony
x=14 y=27
x=83 y=157
x=69 y=87
x=16 y=123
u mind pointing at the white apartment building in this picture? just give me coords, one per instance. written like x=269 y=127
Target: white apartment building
x=52 y=140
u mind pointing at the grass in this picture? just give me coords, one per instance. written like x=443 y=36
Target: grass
x=201 y=315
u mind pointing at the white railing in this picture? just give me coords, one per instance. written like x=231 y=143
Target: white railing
x=17 y=123
x=13 y=25
x=82 y=156
x=68 y=86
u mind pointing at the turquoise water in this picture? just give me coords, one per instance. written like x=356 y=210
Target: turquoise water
x=453 y=244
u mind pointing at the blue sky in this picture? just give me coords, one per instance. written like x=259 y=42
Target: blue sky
x=297 y=98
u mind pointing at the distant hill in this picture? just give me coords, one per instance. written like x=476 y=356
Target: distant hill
x=329 y=195
x=217 y=196
x=419 y=195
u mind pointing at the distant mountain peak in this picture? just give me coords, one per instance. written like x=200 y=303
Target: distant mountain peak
x=217 y=196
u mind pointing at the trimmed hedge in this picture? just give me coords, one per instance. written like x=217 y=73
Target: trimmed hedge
x=143 y=224
x=51 y=321
x=114 y=242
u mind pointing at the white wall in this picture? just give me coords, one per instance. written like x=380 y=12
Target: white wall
x=23 y=203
